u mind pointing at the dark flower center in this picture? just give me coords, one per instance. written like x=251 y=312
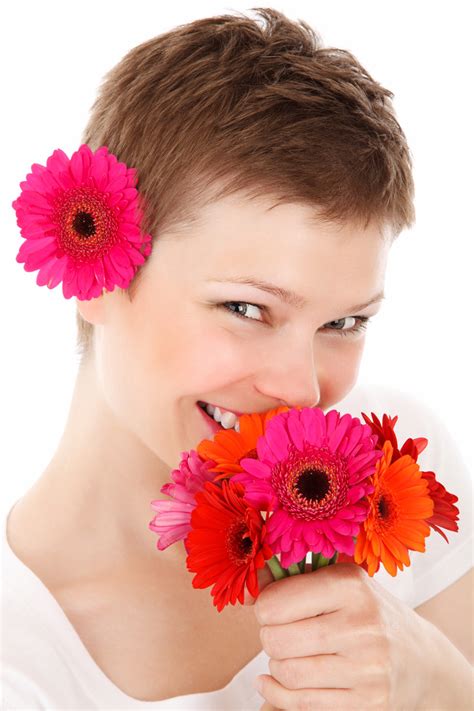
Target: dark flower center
x=383 y=507
x=246 y=544
x=240 y=545
x=313 y=484
x=83 y=224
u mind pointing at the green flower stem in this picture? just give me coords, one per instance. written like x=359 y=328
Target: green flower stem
x=302 y=565
x=294 y=569
x=319 y=561
x=276 y=569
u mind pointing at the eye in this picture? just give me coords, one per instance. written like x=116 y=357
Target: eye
x=360 y=325
x=225 y=305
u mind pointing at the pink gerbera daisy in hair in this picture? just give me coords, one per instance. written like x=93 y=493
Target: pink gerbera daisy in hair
x=80 y=218
x=312 y=470
x=173 y=520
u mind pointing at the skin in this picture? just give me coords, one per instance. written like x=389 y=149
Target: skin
x=133 y=409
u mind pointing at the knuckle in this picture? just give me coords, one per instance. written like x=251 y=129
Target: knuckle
x=378 y=686
x=378 y=646
x=368 y=604
x=361 y=583
x=352 y=571
x=377 y=674
x=359 y=573
x=382 y=697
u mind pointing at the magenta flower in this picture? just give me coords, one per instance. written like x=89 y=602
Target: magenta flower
x=312 y=471
x=173 y=520
x=81 y=222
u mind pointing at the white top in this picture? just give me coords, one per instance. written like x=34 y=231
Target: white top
x=45 y=664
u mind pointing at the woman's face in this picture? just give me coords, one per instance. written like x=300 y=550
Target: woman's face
x=175 y=344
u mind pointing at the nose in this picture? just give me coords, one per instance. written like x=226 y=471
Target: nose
x=290 y=376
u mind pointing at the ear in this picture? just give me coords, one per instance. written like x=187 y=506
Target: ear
x=92 y=310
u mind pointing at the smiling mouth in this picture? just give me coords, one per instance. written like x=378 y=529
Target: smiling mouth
x=203 y=405
x=216 y=423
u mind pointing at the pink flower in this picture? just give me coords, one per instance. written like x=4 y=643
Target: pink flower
x=173 y=520
x=81 y=222
x=312 y=470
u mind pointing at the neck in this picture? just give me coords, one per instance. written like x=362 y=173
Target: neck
x=96 y=491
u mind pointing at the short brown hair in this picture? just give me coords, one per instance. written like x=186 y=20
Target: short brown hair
x=224 y=104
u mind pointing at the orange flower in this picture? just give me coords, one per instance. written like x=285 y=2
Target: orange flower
x=445 y=513
x=228 y=446
x=398 y=509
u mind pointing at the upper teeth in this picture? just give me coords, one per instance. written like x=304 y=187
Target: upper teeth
x=226 y=419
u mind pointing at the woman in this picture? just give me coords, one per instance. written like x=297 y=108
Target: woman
x=275 y=178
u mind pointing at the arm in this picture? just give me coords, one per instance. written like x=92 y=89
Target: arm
x=450 y=618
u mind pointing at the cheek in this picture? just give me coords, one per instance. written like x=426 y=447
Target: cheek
x=211 y=362
x=193 y=356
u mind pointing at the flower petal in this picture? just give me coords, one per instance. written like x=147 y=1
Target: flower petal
x=277 y=437
x=295 y=430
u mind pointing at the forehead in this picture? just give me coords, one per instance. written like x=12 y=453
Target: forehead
x=255 y=235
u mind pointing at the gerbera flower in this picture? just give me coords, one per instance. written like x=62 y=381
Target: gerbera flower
x=226 y=544
x=173 y=520
x=81 y=222
x=398 y=508
x=312 y=471
x=228 y=446
x=445 y=513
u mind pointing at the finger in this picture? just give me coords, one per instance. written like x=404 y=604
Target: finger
x=282 y=698
x=319 y=591
x=264 y=578
x=319 y=672
x=325 y=634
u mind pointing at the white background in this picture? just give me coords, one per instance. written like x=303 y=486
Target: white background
x=54 y=57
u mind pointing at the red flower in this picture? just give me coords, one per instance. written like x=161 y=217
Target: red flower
x=445 y=514
x=385 y=431
x=226 y=544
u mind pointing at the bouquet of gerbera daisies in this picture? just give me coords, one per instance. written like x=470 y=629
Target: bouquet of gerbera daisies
x=294 y=481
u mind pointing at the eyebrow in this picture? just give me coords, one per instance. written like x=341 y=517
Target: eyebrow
x=288 y=296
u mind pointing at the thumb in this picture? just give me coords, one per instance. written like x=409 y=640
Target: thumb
x=264 y=578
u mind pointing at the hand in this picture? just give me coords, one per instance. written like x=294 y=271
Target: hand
x=338 y=640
